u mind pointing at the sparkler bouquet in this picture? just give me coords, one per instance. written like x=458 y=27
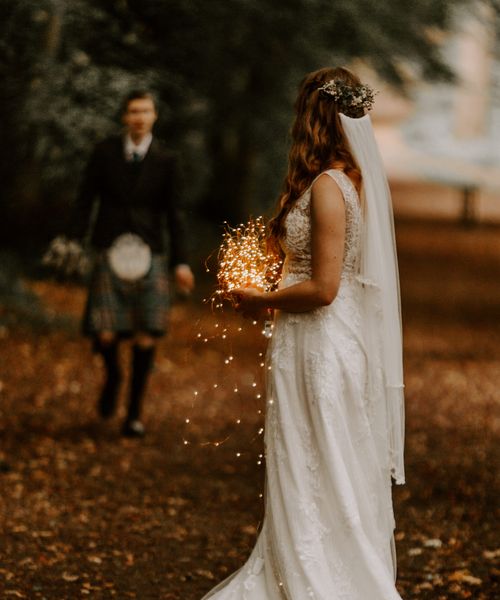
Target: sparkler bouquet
x=244 y=259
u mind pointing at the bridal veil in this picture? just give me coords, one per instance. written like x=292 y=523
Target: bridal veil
x=381 y=300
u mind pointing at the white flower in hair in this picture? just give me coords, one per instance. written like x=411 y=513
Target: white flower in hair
x=347 y=96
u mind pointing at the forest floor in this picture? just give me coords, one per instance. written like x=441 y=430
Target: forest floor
x=86 y=513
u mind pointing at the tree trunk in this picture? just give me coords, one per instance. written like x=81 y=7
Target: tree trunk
x=27 y=185
x=230 y=194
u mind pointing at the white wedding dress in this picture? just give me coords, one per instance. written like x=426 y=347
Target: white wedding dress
x=328 y=527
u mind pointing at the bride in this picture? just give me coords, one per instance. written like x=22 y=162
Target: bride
x=334 y=423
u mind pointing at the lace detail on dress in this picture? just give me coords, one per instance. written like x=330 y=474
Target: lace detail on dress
x=297 y=241
x=274 y=426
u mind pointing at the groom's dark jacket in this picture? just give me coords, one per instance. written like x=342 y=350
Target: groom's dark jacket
x=140 y=198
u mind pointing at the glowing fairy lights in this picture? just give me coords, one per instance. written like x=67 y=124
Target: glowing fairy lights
x=244 y=259
x=225 y=334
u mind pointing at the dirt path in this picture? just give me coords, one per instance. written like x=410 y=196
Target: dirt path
x=85 y=513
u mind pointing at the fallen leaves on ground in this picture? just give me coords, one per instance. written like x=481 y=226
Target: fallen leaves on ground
x=86 y=513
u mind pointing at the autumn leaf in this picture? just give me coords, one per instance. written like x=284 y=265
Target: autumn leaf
x=464 y=577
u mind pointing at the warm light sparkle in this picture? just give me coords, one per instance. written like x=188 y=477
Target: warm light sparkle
x=244 y=259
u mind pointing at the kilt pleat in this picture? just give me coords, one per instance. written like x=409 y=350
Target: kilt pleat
x=125 y=307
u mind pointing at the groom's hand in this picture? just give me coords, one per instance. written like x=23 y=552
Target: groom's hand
x=184 y=279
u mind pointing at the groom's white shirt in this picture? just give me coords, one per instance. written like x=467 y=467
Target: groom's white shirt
x=141 y=148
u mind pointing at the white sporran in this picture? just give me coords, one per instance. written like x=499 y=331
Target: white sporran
x=129 y=257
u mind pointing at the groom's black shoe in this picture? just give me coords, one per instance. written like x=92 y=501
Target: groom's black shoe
x=134 y=429
x=142 y=361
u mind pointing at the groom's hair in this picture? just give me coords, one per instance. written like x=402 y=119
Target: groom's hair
x=138 y=94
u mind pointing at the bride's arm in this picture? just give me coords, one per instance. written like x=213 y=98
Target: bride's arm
x=327 y=250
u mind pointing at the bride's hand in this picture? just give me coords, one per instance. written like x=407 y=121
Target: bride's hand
x=249 y=301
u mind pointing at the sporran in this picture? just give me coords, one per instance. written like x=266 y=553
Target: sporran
x=129 y=257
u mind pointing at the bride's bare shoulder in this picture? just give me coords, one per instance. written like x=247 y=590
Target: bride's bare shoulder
x=326 y=196
x=325 y=184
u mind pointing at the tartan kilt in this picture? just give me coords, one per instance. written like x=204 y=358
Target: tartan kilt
x=126 y=308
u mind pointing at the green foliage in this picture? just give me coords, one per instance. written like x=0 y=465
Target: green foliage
x=226 y=72
x=22 y=27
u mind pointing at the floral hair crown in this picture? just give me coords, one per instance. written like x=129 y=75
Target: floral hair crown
x=347 y=96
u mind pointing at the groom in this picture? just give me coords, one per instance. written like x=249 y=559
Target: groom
x=129 y=202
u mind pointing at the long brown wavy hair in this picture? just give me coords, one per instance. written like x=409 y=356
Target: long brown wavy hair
x=318 y=143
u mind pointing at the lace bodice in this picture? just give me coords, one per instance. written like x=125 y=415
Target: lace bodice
x=297 y=240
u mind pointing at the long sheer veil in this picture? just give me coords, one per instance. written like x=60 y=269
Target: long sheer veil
x=381 y=299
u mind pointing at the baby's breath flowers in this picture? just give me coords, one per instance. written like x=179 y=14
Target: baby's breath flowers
x=349 y=97
x=245 y=261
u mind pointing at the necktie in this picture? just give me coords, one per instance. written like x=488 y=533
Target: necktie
x=136 y=157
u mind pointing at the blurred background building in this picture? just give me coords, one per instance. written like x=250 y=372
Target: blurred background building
x=442 y=146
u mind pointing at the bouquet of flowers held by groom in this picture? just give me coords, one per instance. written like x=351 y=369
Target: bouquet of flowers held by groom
x=67 y=257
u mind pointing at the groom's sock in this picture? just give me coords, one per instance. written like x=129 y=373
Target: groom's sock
x=107 y=400
x=142 y=361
